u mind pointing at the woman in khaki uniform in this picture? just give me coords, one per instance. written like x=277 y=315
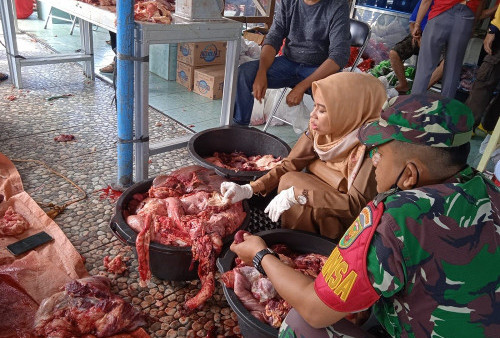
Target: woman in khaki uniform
x=339 y=179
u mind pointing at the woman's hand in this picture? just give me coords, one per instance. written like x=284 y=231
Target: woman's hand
x=235 y=192
x=281 y=203
x=247 y=249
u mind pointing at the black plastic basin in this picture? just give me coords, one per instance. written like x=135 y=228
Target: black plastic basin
x=297 y=241
x=250 y=141
x=166 y=261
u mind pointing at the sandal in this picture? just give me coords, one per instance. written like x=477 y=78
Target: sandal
x=108 y=69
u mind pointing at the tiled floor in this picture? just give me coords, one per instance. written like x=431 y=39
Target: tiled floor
x=191 y=110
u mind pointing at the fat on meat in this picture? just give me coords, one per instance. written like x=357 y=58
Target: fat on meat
x=185 y=208
x=242 y=287
x=239 y=161
x=263 y=290
x=86 y=306
x=12 y=223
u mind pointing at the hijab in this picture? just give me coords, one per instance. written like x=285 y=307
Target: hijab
x=351 y=100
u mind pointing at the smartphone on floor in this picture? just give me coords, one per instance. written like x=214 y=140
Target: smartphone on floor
x=29 y=243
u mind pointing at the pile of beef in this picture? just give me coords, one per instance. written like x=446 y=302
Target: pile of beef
x=157 y=11
x=12 y=224
x=256 y=292
x=86 y=306
x=238 y=161
x=185 y=208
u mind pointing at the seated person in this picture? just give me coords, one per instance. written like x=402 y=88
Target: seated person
x=316 y=34
x=339 y=181
x=405 y=49
x=424 y=252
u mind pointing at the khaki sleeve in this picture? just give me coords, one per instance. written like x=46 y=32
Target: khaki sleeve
x=347 y=205
x=300 y=156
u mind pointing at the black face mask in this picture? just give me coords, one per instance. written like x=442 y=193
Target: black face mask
x=394 y=188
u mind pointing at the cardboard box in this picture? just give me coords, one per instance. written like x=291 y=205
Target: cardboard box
x=202 y=53
x=257 y=34
x=185 y=75
x=209 y=81
x=199 y=9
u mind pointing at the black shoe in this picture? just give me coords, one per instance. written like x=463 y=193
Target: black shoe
x=3 y=77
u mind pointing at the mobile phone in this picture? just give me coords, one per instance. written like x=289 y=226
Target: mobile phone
x=29 y=243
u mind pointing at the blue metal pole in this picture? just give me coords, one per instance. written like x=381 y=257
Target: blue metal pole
x=125 y=90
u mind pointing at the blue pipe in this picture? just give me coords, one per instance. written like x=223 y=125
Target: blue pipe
x=125 y=91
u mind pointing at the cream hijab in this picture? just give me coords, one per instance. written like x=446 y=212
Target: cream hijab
x=351 y=100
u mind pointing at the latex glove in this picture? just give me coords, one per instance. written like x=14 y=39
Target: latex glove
x=235 y=192
x=282 y=202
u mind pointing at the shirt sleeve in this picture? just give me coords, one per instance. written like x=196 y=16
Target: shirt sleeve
x=300 y=156
x=385 y=261
x=495 y=23
x=340 y=36
x=279 y=29
x=347 y=205
x=413 y=16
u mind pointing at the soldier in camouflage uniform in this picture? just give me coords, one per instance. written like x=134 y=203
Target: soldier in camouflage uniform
x=425 y=253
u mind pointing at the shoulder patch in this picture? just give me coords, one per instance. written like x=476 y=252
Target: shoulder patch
x=363 y=221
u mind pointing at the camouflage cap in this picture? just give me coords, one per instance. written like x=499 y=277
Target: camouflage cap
x=427 y=119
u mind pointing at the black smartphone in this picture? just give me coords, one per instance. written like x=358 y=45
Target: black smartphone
x=29 y=243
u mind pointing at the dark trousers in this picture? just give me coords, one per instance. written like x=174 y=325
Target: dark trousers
x=450 y=29
x=487 y=79
x=112 y=39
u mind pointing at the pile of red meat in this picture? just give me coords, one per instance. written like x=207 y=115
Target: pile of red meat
x=12 y=224
x=185 y=208
x=86 y=306
x=157 y=11
x=238 y=161
x=256 y=292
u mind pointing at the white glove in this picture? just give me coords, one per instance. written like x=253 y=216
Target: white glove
x=235 y=192
x=282 y=202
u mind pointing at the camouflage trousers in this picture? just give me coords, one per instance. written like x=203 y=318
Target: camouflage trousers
x=294 y=326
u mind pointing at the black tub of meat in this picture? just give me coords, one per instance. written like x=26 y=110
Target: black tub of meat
x=297 y=241
x=167 y=262
x=228 y=139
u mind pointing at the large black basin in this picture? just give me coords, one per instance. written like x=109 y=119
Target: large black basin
x=298 y=241
x=166 y=261
x=228 y=139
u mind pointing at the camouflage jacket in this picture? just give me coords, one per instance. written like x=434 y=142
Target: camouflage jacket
x=435 y=260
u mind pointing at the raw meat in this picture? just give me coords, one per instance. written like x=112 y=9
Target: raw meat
x=64 y=138
x=12 y=224
x=257 y=293
x=86 y=306
x=238 y=161
x=238 y=237
x=153 y=11
x=157 y=11
x=17 y=309
x=185 y=208
x=115 y=265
